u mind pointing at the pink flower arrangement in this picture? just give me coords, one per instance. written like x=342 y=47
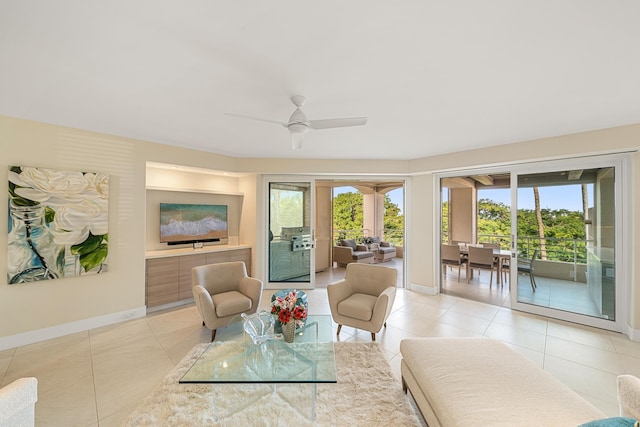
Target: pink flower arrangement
x=288 y=308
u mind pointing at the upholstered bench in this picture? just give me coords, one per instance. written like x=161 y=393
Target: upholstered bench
x=18 y=403
x=483 y=382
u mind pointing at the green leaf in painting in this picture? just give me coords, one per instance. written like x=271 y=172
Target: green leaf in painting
x=49 y=215
x=93 y=259
x=89 y=245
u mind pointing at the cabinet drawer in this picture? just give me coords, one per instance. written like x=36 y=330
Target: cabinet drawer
x=186 y=264
x=162 y=281
x=242 y=255
x=216 y=257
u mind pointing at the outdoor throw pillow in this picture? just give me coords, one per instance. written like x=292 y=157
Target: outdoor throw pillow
x=349 y=242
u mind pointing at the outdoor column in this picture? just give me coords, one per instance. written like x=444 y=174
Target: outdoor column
x=462 y=214
x=369 y=214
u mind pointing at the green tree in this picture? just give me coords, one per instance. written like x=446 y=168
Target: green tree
x=543 y=242
x=347 y=212
x=348 y=215
x=393 y=221
x=445 y=221
x=493 y=218
x=286 y=209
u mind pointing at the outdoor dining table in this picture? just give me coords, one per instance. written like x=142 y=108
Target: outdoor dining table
x=500 y=254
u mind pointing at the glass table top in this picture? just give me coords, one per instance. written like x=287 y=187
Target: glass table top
x=235 y=359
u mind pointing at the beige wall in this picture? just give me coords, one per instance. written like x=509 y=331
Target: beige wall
x=43 y=309
x=34 y=306
x=40 y=310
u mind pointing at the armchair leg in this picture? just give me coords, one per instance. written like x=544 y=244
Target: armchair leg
x=339 y=328
x=385 y=324
x=213 y=335
x=203 y=323
x=373 y=336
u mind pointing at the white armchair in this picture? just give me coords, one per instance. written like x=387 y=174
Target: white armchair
x=222 y=291
x=364 y=298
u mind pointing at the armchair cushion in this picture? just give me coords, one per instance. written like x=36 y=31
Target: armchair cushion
x=349 y=243
x=230 y=303
x=358 y=306
x=362 y=255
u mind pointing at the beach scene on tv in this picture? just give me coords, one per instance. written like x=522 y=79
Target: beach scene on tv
x=184 y=223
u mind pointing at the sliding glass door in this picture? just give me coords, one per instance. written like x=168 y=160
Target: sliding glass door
x=564 y=223
x=567 y=221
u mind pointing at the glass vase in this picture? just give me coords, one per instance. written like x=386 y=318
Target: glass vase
x=33 y=253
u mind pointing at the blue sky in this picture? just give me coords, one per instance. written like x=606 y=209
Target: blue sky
x=558 y=197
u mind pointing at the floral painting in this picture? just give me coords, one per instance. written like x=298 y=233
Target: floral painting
x=58 y=224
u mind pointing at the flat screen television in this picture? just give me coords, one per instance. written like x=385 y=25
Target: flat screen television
x=191 y=223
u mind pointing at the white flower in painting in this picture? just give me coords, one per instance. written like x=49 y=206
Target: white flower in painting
x=100 y=182
x=72 y=223
x=52 y=187
x=80 y=200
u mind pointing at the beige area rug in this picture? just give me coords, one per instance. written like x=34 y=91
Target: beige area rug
x=366 y=394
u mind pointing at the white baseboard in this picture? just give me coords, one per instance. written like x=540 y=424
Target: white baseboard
x=633 y=334
x=423 y=289
x=38 y=335
x=170 y=305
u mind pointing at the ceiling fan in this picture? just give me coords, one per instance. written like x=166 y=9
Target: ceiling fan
x=298 y=123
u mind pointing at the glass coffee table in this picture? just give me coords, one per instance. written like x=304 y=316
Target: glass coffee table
x=233 y=358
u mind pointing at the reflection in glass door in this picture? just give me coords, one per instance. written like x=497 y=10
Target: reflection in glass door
x=290 y=233
x=565 y=243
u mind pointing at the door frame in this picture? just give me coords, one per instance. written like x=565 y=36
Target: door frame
x=267 y=180
x=623 y=247
x=623 y=218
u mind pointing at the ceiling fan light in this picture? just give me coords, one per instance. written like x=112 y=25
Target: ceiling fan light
x=296 y=140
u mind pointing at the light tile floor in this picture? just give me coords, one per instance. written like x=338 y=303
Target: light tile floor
x=96 y=378
x=559 y=294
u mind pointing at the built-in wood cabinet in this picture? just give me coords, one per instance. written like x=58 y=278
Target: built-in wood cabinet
x=168 y=273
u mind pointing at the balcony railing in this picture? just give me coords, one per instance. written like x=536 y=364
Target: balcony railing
x=564 y=259
x=387 y=235
x=559 y=258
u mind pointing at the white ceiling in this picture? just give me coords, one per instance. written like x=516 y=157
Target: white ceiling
x=432 y=76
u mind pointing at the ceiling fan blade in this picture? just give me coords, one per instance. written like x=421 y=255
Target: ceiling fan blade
x=337 y=123
x=256 y=118
x=296 y=140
